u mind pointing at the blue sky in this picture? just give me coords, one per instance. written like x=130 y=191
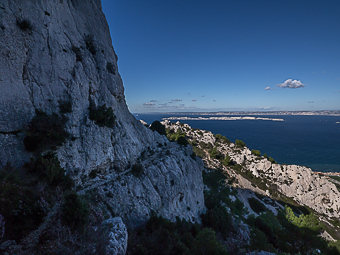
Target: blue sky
x=194 y=55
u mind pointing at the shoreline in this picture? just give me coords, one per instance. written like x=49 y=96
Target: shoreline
x=224 y=118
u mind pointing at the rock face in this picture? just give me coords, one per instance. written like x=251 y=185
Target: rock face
x=61 y=51
x=297 y=182
x=118 y=236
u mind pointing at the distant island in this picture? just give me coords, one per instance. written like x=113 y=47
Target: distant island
x=222 y=118
x=266 y=113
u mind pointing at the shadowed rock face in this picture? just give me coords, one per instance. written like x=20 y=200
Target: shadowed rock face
x=60 y=51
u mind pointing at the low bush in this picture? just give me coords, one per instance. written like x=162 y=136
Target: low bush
x=269 y=158
x=227 y=160
x=256 y=205
x=90 y=44
x=45 y=132
x=137 y=170
x=48 y=169
x=110 y=68
x=102 y=115
x=218 y=219
x=256 y=153
x=239 y=143
x=200 y=153
x=75 y=211
x=181 y=140
x=160 y=236
x=277 y=234
x=19 y=203
x=215 y=154
x=222 y=139
x=159 y=127
x=309 y=221
x=24 y=24
x=172 y=136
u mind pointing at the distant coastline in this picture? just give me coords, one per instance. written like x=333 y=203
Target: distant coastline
x=223 y=118
x=255 y=113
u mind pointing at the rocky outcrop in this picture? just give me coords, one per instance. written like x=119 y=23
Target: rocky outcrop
x=58 y=54
x=118 y=236
x=297 y=182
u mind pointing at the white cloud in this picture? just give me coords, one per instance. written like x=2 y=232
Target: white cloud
x=292 y=84
x=267 y=88
x=149 y=104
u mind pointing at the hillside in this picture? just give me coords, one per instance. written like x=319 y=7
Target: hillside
x=80 y=175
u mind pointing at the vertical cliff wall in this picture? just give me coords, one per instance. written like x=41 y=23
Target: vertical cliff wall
x=60 y=52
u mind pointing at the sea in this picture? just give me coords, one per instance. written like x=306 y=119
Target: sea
x=312 y=141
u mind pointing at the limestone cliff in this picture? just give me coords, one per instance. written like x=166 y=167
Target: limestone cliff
x=60 y=52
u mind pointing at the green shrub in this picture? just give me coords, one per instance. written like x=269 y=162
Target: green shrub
x=222 y=139
x=102 y=115
x=218 y=219
x=90 y=44
x=48 y=168
x=24 y=25
x=200 y=153
x=256 y=205
x=181 y=140
x=110 y=68
x=179 y=137
x=215 y=154
x=239 y=143
x=45 y=132
x=207 y=146
x=137 y=170
x=160 y=236
x=256 y=153
x=273 y=161
x=19 y=203
x=277 y=234
x=75 y=211
x=159 y=127
x=206 y=243
x=227 y=160
x=309 y=221
x=269 y=158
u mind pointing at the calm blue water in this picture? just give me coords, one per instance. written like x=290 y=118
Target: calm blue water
x=312 y=141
